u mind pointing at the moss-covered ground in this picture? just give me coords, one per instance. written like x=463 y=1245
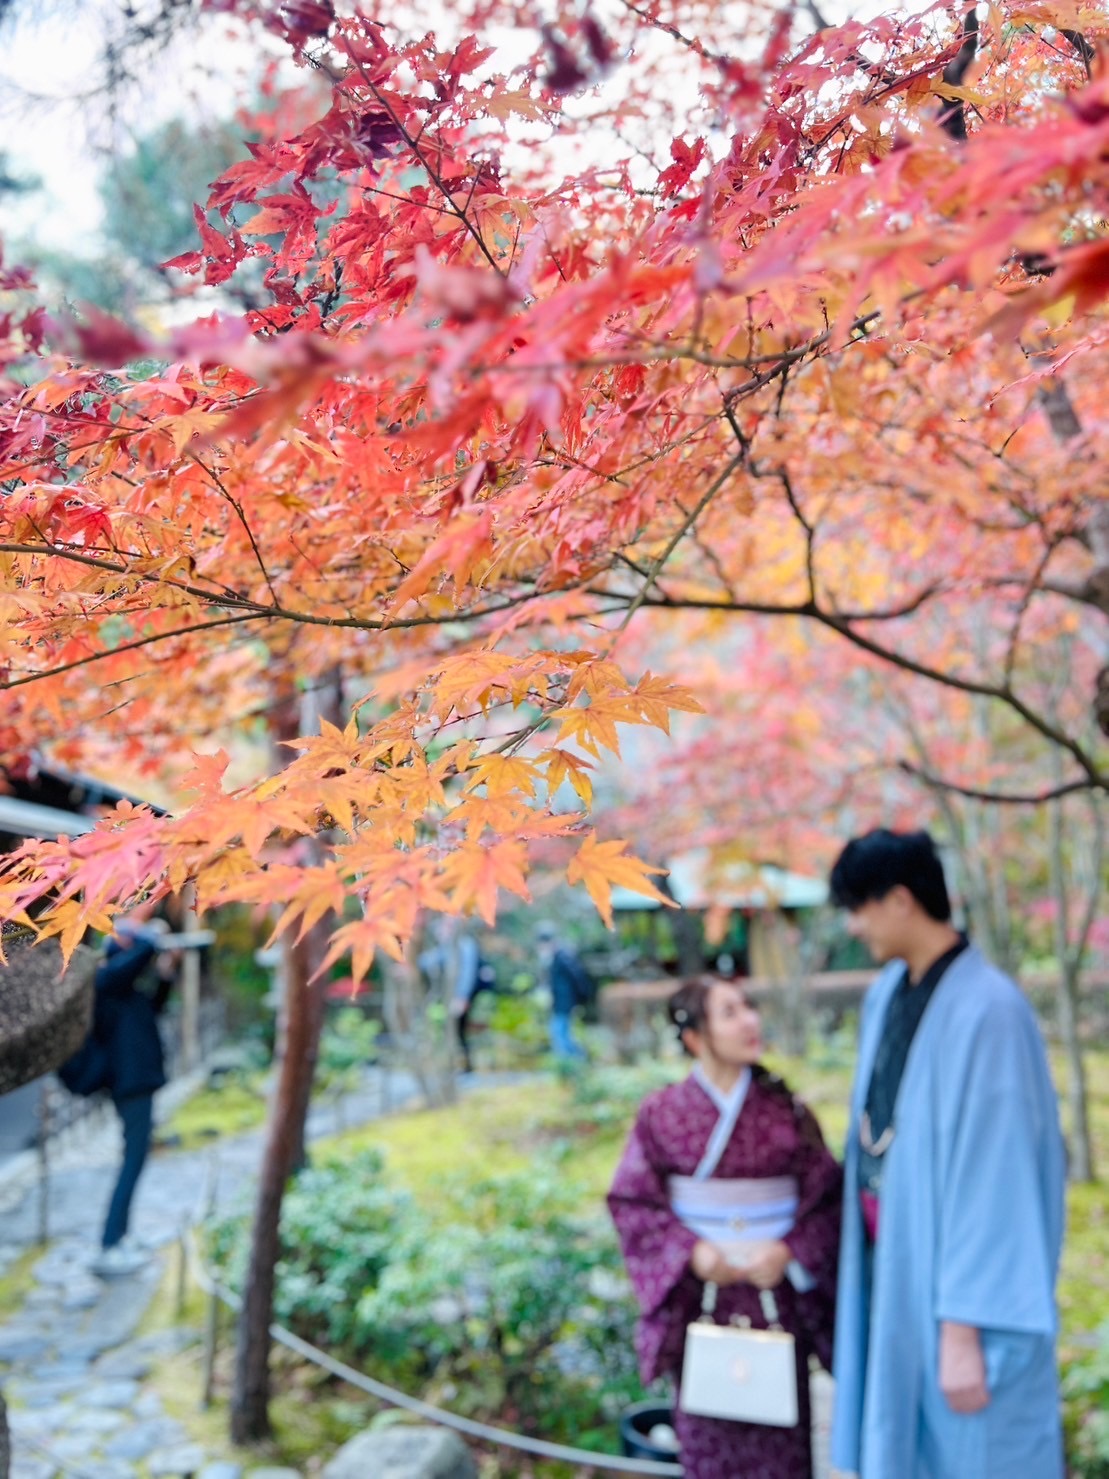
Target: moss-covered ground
x=235 y=1105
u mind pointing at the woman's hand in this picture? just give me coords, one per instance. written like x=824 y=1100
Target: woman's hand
x=709 y=1264
x=768 y=1265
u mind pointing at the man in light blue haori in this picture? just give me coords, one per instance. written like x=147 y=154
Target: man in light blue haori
x=953 y=1203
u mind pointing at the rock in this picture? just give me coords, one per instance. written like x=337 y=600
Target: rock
x=110 y=1394
x=126 y=1364
x=277 y=1473
x=403 y=1452
x=93 y=1420
x=32 y=1468
x=148 y=1405
x=18 y=1344
x=44 y=1393
x=81 y=1299
x=221 y=1470
x=186 y=1458
x=100 y=1468
x=141 y=1439
x=166 y=1342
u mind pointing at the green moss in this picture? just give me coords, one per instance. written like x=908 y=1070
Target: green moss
x=17 y=1282
x=230 y=1109
x=491 y=1131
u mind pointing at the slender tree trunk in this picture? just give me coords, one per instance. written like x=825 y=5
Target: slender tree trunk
x=1070 y=961
x=410 y=1010
x=687 y=935
x=299 y=1037
x=304 y=1016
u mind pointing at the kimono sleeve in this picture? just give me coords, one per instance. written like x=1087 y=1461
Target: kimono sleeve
x=814 y=1238
x=656 y=1246
x=1000 y=1213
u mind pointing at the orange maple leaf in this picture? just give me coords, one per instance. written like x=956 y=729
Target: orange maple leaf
x=601 y=865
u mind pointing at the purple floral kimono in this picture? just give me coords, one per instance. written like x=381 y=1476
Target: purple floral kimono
x=774 y=1136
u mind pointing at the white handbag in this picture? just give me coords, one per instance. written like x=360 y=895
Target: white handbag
x=738 y=1372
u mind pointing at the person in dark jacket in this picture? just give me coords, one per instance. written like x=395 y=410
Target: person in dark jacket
x=125 y=1022
x=570 y=986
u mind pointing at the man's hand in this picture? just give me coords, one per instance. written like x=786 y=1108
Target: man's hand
x=962 y=1368
x=768 y=1264
x=709 y=1264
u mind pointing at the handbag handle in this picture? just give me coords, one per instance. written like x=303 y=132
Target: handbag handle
x=769 y=1309
x=766 y=1300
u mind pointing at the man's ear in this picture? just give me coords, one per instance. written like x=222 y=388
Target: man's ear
x=905 y=897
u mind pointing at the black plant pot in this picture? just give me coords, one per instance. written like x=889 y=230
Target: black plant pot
x=636 y=1423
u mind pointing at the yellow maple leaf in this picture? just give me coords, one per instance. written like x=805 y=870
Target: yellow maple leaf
x=501 y=775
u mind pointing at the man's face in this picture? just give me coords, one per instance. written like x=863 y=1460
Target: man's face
x=881 y=924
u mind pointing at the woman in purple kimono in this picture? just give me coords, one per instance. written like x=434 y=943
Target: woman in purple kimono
x=726 y=1180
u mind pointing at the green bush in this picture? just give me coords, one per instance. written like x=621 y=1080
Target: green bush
x=347 y=1044
x=1086 y=1394
x=517 y=1309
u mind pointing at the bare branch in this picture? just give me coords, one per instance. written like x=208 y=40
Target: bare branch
x=1007 y=798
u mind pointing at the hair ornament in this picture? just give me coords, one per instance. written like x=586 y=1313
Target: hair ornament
x=681 y=1016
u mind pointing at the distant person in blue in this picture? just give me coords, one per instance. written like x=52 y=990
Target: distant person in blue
x=125 y=1024
x=456 y=964
x=953 y=1204
x=570 y=985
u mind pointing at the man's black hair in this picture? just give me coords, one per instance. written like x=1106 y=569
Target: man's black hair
x=870 y=866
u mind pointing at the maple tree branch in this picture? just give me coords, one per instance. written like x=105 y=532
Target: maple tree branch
x=146 y=641
x=413 y=144
x=237 y=506
x=844 y=626
x=783 y=477
x=221 y=597
x=1034 y=584
x=1007 y=798
x=673 y=32
x=1001 y=693
x=676 y=538
x=953 y=119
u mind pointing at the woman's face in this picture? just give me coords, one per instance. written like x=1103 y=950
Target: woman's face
x=731 y=1032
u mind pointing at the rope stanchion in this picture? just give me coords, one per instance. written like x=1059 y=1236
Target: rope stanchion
x=503 y=1437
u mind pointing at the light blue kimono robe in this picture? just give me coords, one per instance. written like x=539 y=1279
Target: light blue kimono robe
x=970 y=1229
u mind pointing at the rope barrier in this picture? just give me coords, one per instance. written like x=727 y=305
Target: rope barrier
x=503 y=1437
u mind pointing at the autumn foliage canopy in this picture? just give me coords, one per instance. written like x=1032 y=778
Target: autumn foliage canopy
x=564 y=335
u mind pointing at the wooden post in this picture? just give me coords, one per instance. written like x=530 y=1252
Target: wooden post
x=211 y=1339
x=190 y=992
x=44 y=1162
x=182 y=1273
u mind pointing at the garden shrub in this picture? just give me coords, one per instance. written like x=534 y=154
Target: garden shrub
x=1086 y=1394
x=516 y=1309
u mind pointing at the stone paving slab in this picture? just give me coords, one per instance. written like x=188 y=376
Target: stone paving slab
x=72 y=1368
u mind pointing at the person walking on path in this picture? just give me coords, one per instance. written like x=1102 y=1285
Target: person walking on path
x=570 y=985
x=954 y=1205
x=125 y=1024
x=725 y=1181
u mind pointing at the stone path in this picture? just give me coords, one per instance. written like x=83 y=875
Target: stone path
x=72 y=1368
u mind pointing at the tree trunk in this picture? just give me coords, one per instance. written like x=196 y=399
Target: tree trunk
x=1081 y=1167
x=304 y=1018
x=299 y=1027
x=687 y=934
x=411 y=1011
